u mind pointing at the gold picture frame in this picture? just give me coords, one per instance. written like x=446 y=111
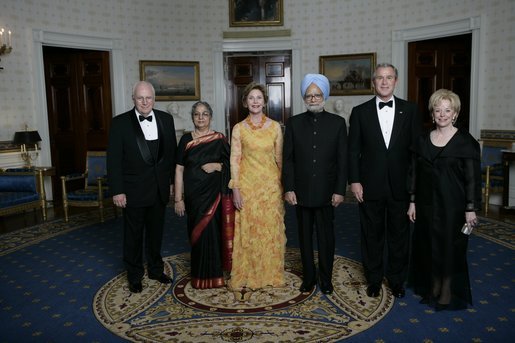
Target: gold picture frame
x=349 y=74
x=172 y=80
x=251 y=13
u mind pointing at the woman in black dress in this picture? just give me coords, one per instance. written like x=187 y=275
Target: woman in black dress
x=446 y=193
x=201 y=190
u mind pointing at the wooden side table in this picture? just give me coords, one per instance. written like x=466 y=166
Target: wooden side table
x=47 y=171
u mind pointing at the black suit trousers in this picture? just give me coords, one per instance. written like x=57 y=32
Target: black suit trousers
x=321 y=219
x=385 y=219
x=143 y=225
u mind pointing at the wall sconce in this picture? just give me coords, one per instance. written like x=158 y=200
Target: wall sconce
x=6 y=43
x=25 y=138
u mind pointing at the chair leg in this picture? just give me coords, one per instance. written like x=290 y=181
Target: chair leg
x=65 y=208
x=101 y=210
x=487 y=190
x=44 y=209
x=487 y=200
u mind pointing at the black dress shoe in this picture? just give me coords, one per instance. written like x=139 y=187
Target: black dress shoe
x=307 y=287
x=425 y=300
x=440 y=307
x=326 y=288
x=398 y=291
x=135 y=287
x=373 y=290
x=163 y=278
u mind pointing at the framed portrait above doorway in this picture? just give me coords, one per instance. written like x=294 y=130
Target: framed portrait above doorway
x=172 y=80
x=349 y=74
x=255 y=13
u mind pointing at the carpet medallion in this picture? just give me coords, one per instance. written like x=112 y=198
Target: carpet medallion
x=179 y=313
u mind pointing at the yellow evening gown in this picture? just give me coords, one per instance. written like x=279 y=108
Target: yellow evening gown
x=259 y=234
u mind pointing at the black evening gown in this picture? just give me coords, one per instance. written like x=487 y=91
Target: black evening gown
x=446 y=182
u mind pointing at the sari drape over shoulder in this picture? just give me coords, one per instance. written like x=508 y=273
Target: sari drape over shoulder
x=208 y=214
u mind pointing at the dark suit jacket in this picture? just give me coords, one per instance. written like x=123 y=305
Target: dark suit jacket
x=131 y=169
x=370 y=162
x=315 y=157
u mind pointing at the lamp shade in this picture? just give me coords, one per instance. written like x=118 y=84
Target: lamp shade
x=26 y=137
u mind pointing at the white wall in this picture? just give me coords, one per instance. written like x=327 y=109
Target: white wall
x=186 y=30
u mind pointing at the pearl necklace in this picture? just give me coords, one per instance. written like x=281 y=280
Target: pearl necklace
x=254 y=126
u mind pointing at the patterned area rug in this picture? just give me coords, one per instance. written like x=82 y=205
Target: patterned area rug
x=182 y=314
x=19 y=239
x=65 y=282
x=496 y=231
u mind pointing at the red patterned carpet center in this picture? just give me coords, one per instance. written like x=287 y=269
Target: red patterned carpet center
x=180 y=313
x=222 y=300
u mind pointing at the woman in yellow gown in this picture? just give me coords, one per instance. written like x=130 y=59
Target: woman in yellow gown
x=256 y=161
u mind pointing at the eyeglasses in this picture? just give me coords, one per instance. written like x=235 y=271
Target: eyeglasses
x=142 y=98
x=203 y=114
x=313 y=96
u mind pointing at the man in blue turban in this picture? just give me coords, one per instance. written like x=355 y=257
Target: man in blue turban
x=319 y=80
x=315 y=177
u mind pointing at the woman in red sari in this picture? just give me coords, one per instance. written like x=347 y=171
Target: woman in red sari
x=201 y=177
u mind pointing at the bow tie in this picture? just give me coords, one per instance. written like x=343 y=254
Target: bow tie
x=383 y=104
x=141 y=118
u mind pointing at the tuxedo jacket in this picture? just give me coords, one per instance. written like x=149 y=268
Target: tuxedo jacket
x=131 y=168
x=373 y=164
x=315 y=157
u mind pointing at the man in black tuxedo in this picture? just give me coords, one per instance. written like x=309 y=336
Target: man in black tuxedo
x=315 y=178
x=381 y=133
x=140 y=165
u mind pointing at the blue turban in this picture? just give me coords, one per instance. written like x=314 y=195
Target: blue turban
x=318 y=79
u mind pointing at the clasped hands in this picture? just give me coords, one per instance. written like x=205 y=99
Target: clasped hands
x=211 y=167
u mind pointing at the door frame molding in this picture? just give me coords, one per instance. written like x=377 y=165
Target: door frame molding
x=401 y=38
x=246 y=45
x=66 y=40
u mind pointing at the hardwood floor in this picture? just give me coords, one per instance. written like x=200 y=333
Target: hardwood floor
x=30 y=218
x=495 y=213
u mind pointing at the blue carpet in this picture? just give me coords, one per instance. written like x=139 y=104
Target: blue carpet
x=49 y=277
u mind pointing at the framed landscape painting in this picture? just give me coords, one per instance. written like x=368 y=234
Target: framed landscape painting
x=255 y=13
x=172 y=80
x=349 y=74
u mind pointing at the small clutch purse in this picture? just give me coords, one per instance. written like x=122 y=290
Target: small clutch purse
x=466 y=229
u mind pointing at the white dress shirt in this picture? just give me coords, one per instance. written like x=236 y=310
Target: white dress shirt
x=386 y=116
x=149 y=127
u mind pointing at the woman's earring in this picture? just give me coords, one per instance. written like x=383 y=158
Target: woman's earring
x=433 y=118
x=454 y=120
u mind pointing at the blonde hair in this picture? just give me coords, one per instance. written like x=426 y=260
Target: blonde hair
x=445 y=94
